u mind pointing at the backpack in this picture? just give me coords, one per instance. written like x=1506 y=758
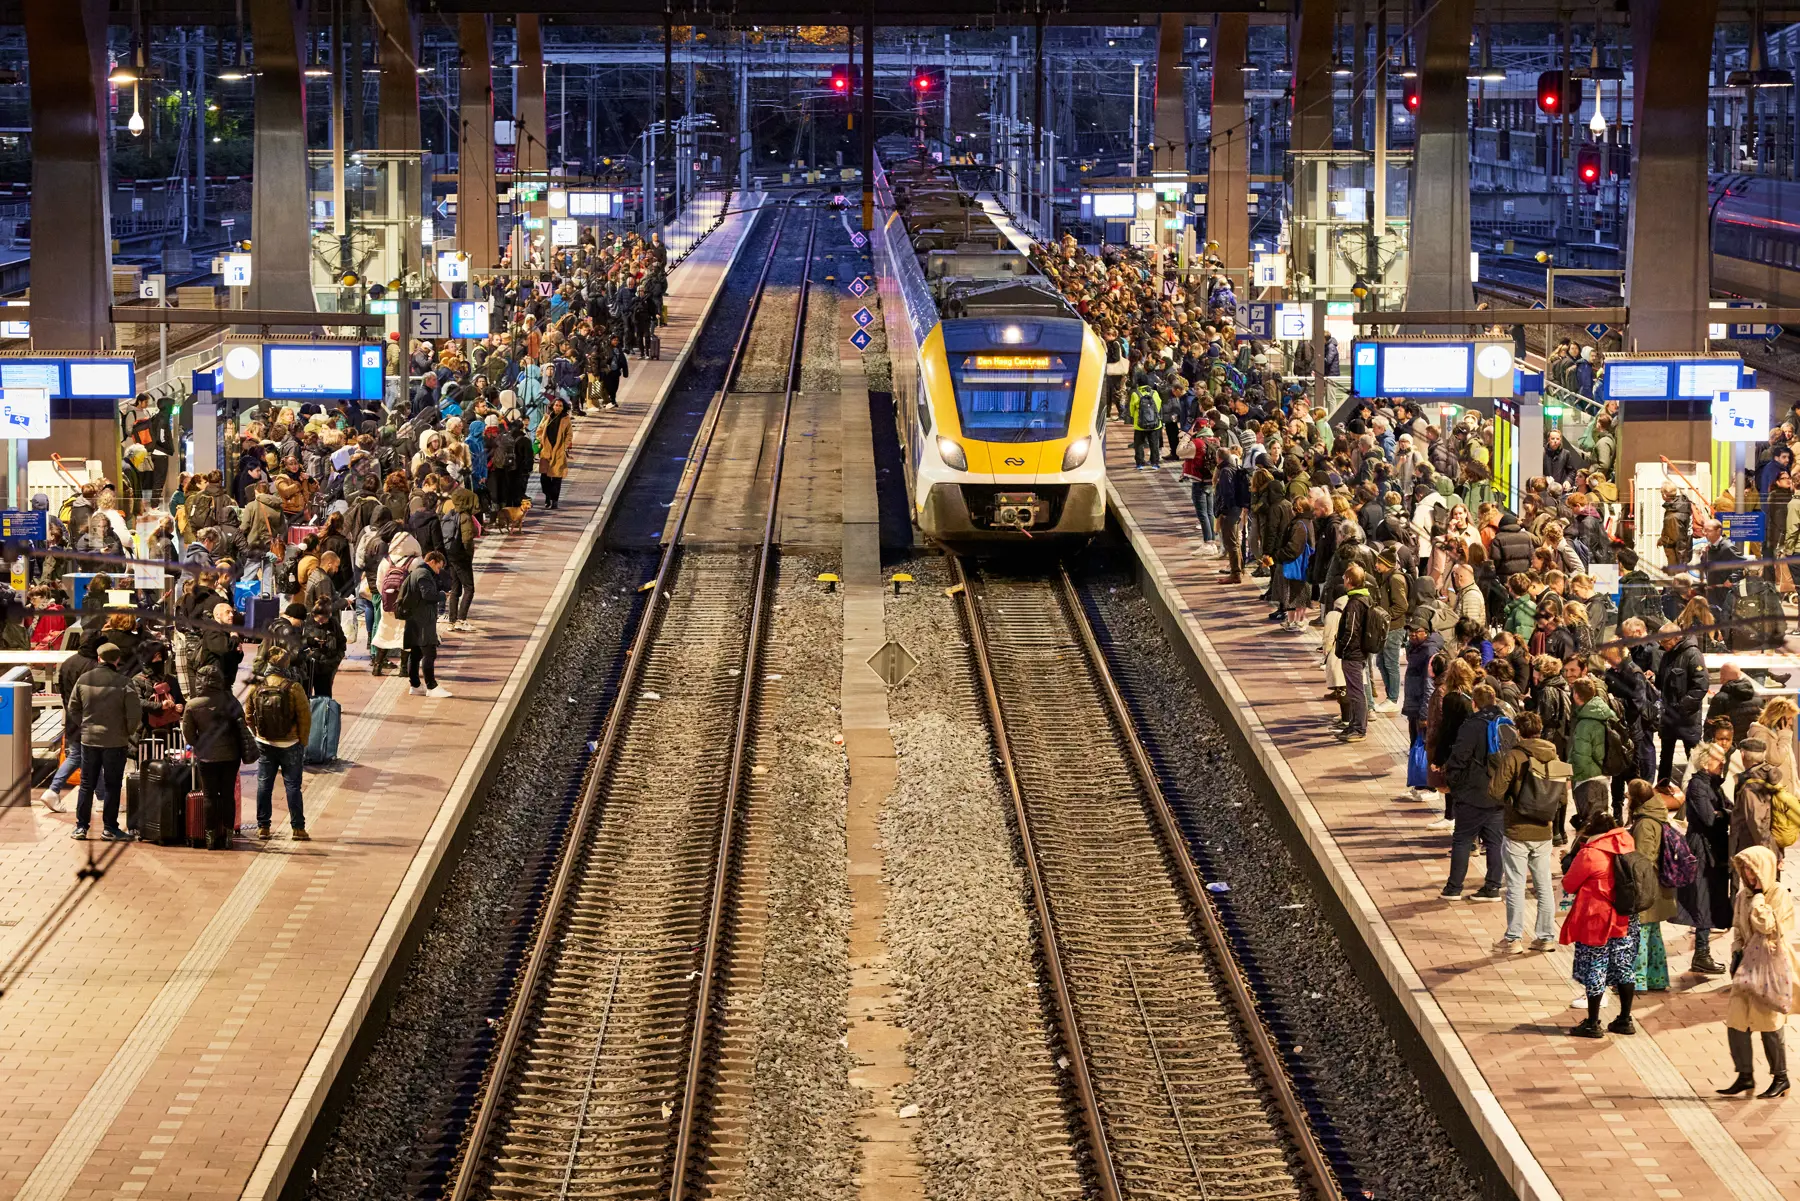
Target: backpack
x=1538 y=798
x=202 y=511
x=1621 y=751
x=406 y=599
x=1375 y=630
x=1676 y=866
x=276 y=720
x=363 y=541
x=1784 y=818
x=393 y=581
x=1634 y=884
x=450 y=529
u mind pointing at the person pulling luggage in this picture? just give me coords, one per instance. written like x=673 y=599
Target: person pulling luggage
x=220 y=738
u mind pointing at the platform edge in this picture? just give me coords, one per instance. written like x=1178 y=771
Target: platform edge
x=283 y=1149
x=1502 y=1140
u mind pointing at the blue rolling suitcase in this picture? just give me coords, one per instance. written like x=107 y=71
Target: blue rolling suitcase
x=327 y=721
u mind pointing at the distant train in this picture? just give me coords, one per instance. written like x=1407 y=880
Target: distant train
x=1756 y=237
x=997 y=381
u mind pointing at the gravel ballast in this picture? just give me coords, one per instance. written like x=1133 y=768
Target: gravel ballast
x=1339 y=1044
x=993 y=1122
x=801 y=1145
x=403 y=1088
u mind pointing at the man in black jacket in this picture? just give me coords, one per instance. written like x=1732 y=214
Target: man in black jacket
x=73 y=668
x=1511 y=549
x=1736 y=699
x=1683 y=681
x=105 y=708
x=1485 y=735
x=1353 y=706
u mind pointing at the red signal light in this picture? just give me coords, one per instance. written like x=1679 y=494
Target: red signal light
x=922 y=82
x=839 y=83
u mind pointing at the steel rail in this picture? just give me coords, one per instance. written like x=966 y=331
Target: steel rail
x=1318 y=1169
x=700 y=1042
x=493 y=1095
x=1088 y=1098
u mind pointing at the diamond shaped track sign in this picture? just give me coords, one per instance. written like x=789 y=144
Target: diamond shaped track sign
x=863 y=317
x=861 y=339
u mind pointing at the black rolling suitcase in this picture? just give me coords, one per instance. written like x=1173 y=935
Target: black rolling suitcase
x=163 y=786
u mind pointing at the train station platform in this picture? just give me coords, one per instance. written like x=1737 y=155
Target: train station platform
x=172 y=1028
x=1560 y=1116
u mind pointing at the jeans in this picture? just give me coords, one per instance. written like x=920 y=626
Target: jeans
x=1476 y=822
x=289 y=761
x=1532 y=857
x=462 y=588
x=1203 y=508
x=1231 y=533
x=102 y=767
x=1146 y=440
x=69 y=766
x=371 y=614
x=1354 y=708
x=1391 y=679
x=417 y=659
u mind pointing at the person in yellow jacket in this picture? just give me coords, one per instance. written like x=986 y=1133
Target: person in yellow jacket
x=1145 y=410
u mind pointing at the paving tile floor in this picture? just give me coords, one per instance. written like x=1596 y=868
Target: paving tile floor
x=154 y=1022
x=1635 y=1115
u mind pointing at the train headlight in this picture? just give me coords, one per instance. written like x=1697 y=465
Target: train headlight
x=952 y=454
x=1077 y=453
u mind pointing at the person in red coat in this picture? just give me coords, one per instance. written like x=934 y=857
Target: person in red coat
x=1605 y=940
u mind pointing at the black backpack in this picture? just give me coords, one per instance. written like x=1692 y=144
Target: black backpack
x=276 y=720
x=1375 y=630
x=1538 y=798
x=1621 y=750
x=1634 y=884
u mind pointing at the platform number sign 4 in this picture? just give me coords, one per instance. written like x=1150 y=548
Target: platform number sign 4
x=1596 y=330
x=861 y=339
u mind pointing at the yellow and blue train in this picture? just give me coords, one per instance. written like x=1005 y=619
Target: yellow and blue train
x=997 y=381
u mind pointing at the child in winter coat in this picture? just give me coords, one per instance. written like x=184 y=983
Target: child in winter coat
x=1605 y=940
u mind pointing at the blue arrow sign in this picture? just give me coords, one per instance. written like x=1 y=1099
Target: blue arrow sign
x=1537 y=304
x=1596 y=330
x=1774 y=333
x=861 y=339
x=858 y=287
x=863 y=317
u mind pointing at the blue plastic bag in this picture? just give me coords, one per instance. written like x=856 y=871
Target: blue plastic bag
x=1418 y=768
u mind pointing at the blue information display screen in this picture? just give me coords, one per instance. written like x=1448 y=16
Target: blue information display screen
x=369 y=382
x=309 y=371
x=25 y=373
x=1671 y=379
x=1413 y=369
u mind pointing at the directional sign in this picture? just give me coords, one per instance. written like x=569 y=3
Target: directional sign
x=858 y=287
x=862 y=317
x=24 y=523
x=431 y=318
x=1258 y=319
x=1170 y=287
x=237 y=271
x=1537 y=304
x=1745 y=527
x=1774 y=333
x=1596 y=330
x=861 y=339
x=544 y=287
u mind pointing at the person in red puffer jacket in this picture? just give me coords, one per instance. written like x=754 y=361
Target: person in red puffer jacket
x=1605 y=940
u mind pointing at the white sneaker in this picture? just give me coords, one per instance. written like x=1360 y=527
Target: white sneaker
x=1442 y=823
x=1388 y=707
x=1430 y=796
x=53 y=800
x=413 y=690
x=440 y=692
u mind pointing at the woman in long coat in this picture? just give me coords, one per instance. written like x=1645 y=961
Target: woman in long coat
x=555 y=435
x=1762 y=930
x=1706 y=903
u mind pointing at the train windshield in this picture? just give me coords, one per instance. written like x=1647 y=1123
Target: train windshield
x=1005 y=396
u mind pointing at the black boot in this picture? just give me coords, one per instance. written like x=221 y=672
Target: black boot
x=1775 y=1049
x=1743 y=1059
x=1591 y=1027
x=1623 y=1023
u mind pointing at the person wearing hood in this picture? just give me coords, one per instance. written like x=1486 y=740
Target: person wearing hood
x=1587 y=747
x=1705 y=903
x=1526 y=849
x=1482 y=741
x=1604 y=939
x=1683 y=682
x=395 y=565
x=215 y=729
x=1422 y=643
x=1762 y=931
x=1648 y=819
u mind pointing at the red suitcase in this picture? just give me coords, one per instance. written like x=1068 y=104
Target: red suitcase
x=196 y=812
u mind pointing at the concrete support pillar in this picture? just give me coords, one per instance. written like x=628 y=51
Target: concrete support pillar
x=477 y=226
x=282 y=236
x=1228 y=176
x=1313 y=81
x=1667 y=285
x=397 y=119
x=1169 y=110
x=532 y=123
x=1437 y=274
x=1667 y=265
x=71 y=246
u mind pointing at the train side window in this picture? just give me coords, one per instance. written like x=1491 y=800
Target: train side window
x=924 y=403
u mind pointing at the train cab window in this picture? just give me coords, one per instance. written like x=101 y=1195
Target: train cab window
x=1005 y=396
x=924 y=403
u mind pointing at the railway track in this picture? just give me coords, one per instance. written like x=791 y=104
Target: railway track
x=612 y=1072
x=1178 y=1086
